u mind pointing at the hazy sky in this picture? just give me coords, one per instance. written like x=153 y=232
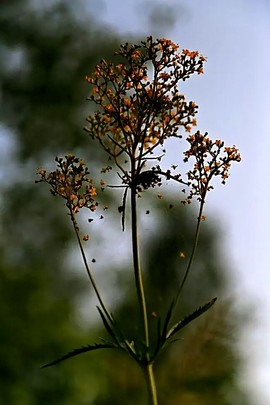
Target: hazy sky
x=233 y=96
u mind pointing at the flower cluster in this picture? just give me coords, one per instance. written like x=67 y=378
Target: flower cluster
x=70 y=182
x=137 y=113
x=211 y=159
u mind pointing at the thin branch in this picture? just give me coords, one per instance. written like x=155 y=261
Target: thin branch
x=103 y=306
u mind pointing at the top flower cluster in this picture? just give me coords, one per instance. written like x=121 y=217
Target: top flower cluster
x=137 y=113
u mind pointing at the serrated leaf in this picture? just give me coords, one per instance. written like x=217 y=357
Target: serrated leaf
x=166 y=322
x=81 y=350
x=107 y=326
x=184 y=322
x=162 y=334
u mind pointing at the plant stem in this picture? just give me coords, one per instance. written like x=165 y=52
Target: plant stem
x=194 y=247
x=147 y=368
x=103 y=306
x=136 y=265
x=151 y=385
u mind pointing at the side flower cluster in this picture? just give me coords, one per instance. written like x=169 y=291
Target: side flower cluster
x=70 y=182
x=212 y=158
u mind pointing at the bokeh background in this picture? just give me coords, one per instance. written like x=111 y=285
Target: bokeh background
x=46 y=305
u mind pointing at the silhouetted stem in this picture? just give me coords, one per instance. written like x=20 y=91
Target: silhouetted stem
x=148 y=368
x=194 y=247
x=103 y=306
x=136 y=265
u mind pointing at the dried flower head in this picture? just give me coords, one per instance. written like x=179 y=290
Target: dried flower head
x=139 y=108
x=211 y=159
x=70 y=182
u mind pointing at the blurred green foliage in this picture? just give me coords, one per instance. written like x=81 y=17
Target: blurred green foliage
x=45 y=54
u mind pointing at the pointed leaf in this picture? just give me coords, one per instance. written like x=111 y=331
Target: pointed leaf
x=159 y=328
x=116 y=333
x=159 y=340
x=80 y=350
x=130 y=348
x=161 y=335
x=107 y=326
x=180 y=325
x=117 y=330
x=166 y=323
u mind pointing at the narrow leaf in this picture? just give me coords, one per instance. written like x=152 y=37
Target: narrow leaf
x=166 y=323
x=116 y=333
x=159 y=339
x=80 y=350
x=107 y=326
x=130 y=348
x=180 y=325
x=159 y=328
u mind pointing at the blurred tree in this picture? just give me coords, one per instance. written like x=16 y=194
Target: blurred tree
x=45 y=53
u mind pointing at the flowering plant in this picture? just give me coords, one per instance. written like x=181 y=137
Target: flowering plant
x=139 y=107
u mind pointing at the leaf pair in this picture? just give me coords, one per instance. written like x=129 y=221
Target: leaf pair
x=121 y=343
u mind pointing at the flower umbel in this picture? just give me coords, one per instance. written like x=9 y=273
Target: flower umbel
x=70 y=182
x=138 y=109
x=211 y=159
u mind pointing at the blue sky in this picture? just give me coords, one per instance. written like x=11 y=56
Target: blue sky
x=233 y=96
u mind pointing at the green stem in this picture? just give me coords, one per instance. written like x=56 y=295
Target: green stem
x=148 y=367
x=151 y=385
x=103 y=306
x=194 y=247
x=136 y=265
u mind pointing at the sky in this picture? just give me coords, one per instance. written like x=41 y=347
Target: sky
x=233 y=96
